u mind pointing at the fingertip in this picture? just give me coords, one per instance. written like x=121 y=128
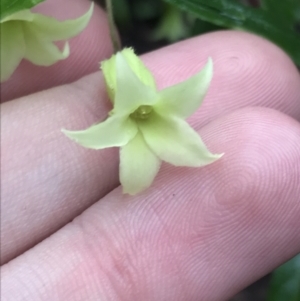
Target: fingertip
x=248 y=71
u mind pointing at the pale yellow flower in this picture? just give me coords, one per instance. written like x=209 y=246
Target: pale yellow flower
x=147 y=124
x=30 y=36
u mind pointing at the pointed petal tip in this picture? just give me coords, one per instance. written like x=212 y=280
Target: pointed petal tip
x=89 y=13
x=215 y=157
x=78 y=24
x=68 y=134
x=73 y=135
x=66 y=51
x=218 y=156
x=209 y=66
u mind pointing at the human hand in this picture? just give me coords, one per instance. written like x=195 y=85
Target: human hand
x=196 y=234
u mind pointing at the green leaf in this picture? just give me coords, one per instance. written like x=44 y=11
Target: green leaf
x=288 y=13
x=9 y=7
x=201 y=27
x=262 y=21
x=285 y=282
x=147 y=9
x=122 y=13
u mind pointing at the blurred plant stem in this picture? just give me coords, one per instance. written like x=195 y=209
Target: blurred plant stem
x=112 y=27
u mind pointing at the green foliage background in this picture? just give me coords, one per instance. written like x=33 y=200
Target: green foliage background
x=158 y=22
x=8 y=7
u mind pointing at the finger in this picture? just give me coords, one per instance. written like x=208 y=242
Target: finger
x=196 y=234
x=87 y=50
x=47 y=180
x=244 y=73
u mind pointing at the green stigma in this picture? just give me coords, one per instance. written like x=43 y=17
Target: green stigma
x=142 y=112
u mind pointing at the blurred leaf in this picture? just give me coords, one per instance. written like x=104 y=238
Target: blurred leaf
x=233 y=14
x=147 y=9
x=288 y=13
x=121 y=12
x=285 y=282
x=173 y=25
x=201 y=27
x=8 y=7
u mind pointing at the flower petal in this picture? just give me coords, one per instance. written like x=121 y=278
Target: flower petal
x=135 y=63
x=108 y=68
x=51 y=29
x=185 y=98
x=174 y=141
x=139 y=68
x=12 y=48
x=138 y=166
x=41 y=52
x=113 y=132
x=131 y=91
x=23 y=15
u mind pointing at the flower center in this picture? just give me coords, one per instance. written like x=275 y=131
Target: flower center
x=142 y=112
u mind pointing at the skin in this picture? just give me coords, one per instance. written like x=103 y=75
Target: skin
x=68 y=232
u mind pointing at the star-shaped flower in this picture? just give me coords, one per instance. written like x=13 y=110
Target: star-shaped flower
x=30 y=36
x=147 y=124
